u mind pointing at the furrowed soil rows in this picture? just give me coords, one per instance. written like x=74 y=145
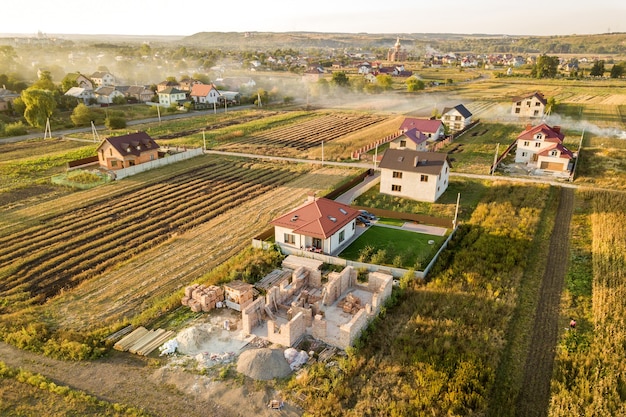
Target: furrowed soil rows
x=306 y=135
x=67 y=249
x=126 y=289
x=535 y=394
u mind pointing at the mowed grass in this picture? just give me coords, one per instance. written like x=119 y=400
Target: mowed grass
x=393 y=247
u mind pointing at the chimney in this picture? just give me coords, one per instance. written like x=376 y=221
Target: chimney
x=416 y=161
x=556 y=129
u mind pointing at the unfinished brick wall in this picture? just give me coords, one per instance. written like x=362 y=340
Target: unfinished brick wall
x=381 y=285
x=251 y=315
x=350 y=331
x=287 y=333
x=338 y=283
x=319 y=327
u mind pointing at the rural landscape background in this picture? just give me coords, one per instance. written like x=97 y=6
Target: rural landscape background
x=486 y=333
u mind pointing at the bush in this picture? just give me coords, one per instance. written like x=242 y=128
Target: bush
x=115 y=122
x=15 y=129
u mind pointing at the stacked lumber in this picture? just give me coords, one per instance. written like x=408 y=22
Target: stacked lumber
x=351 y=304
x=202 y=298
x=143 y=341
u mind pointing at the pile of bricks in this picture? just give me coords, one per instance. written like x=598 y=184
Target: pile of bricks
x=351 y=304
x=202 y=298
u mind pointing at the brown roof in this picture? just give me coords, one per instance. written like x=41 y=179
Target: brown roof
x=132 y=144
x=539 y=96
x=320 y=218
x=430 y=163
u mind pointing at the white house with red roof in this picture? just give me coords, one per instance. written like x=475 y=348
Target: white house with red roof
x=320 y=225
x=411 y=139
x=205 y=94
x=541 y=147
x=432 y=128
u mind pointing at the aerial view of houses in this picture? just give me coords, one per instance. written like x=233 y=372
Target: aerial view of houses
x=311 y=223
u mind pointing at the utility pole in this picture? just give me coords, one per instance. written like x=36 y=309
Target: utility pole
x=94 y=132
x=204 y=139
x=456 y=211
x=159 y=112
x=495 y=160
x=375 y=156
x=322 y=153
x=48 y=132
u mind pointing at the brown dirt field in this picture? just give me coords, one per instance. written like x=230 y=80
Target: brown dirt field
x=150 y=385
x=535 y=394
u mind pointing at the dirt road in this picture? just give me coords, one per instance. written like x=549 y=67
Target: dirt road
x=535 y=395
x=162 y=391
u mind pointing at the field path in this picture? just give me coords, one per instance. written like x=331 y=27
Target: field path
x=534 y=397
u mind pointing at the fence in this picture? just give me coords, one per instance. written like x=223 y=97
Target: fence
x=356 y=155
x=333 y=260
x=127 y=172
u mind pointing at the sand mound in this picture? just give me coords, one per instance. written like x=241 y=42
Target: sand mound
x=192 y=339
x=263 y=364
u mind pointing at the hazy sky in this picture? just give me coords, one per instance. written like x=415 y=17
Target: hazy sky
x=168 y=17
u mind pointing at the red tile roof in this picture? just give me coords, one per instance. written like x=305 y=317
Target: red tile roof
x=202 y=90
x=550 y=134
x=320 y=218
x=423 y=125
x=565 y=153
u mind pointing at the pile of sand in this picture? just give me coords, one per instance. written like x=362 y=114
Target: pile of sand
x=263 y=364
x=192 y=339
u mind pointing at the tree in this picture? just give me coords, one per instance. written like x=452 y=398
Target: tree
x=550 y=104
x=546 y=67
x=413 y=84
x=40 y=104
x=340 y=79
x=384 y=81
x=597 y=70
x=44 y=82
x=69 y=81
x=82 y=115
x=617 y=71
x=115 y=122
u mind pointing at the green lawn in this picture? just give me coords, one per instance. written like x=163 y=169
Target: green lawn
x=393 y=247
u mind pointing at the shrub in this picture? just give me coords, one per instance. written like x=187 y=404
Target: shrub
x=15 y=129
x=114 y=122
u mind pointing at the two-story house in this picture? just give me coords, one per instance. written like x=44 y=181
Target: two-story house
x=456 y=118
x=127 y=150
x=205 y=94
x=171 y=96
x=84 y=95
x=541 y=147
x=102 y=79
x=531 y=105
x=421 y=176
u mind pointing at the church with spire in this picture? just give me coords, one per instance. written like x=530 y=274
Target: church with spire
x=397 y=53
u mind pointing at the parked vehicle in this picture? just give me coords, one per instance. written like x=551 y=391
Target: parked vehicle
x=366 y=214
x=362 y=220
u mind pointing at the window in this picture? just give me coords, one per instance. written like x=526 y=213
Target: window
x=131 y=163
x=519 y=103
x=457 y=117
x=536 y=113
x=424 y=178
x=403 y=143
x=554 y=153
x=537 y=144
x=113 y=163
x=526 y=143
x=152 y=157
x=353 y=223
x=342 y=236
x=517 y=110
x=537 y=104
x=396 y=174
x=396 y=187
x=289 y=238
x=111 y=151
x=524 y=153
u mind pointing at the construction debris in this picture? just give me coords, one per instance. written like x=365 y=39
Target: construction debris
x=351 y=304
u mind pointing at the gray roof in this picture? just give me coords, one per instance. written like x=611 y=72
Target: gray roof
x=460 y=108
x=413 y=161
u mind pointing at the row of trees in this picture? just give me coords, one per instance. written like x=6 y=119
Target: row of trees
x=548 y=67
